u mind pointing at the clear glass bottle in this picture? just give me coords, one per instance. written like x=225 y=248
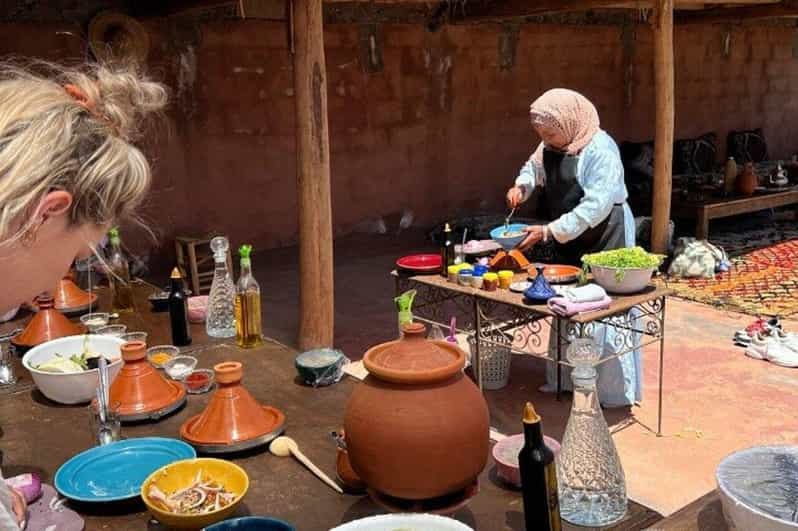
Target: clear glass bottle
x=591 y=481
x=220 y=321
x=249 y=325
x=119 y=275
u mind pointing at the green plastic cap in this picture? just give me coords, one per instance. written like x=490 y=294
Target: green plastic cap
x=113 y=234
x=245 y=251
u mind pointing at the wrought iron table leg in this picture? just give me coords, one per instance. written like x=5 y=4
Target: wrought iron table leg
x=477 y=357
x=661 y=366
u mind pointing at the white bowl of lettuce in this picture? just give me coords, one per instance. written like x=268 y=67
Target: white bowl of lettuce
x=63 y=370
x=623 y=271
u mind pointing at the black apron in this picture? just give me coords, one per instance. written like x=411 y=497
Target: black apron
x=563 y=193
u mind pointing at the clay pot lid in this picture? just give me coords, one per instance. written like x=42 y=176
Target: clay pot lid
x=46 y=325
x=68 y=295
x=232 y=415
x=414 y=359
x=141 y=390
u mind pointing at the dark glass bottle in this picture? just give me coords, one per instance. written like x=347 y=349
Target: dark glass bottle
x=538 y=477
x=447 y=251
x=178 y=311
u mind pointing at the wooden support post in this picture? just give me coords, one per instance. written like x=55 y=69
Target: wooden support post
x=664 y=115
x=313 y=178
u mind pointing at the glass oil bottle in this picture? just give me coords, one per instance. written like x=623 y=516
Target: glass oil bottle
x=249 y=332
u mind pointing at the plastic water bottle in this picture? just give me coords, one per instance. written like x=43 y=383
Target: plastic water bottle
x=220 y=321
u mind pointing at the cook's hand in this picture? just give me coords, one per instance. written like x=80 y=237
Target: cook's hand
x=19 y=506
x=535 y=233
x=515 y=196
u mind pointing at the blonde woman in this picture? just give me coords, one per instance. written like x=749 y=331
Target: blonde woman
x=69 y=170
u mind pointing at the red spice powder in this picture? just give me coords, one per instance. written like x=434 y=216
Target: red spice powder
x=197 y=380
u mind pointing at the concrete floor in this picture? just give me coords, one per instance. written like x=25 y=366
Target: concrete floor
x=716 y=399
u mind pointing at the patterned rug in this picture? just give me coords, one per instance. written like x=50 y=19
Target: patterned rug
x=763 y=279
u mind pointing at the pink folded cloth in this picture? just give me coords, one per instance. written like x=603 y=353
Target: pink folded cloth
x=562 y=306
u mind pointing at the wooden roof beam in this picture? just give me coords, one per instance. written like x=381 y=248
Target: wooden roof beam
x=724 y=15
x=506 y=9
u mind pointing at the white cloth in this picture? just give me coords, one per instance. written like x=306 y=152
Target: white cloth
x=586 y=293
x=600 y=174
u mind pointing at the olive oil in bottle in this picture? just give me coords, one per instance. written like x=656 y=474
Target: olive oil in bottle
x=178 y=311
x=447 y=251
x=247 y=305
x=538 y=477
x=119 y=276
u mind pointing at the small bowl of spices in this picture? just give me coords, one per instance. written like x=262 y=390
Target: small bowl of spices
x=94 y=321
x=199 y=381
x=112 y=330
x=161 y=354
x=179 y=367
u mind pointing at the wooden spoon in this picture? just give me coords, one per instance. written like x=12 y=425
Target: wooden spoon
x=285 y=446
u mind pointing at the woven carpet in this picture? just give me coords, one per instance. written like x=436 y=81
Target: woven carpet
x=763 y=279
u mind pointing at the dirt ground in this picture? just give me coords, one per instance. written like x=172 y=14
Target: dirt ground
x=716 y=400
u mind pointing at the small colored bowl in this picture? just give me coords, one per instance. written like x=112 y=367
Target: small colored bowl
x=477 y=281
x=199 y=381
x=505 y=453
x=169 y=350
x=464 y=277
x=112 y=330
x=182 y=474
x=505 y=278
x=95 y=321
x=480 y=270
x=179 y=367
x=320 y=366
x=198 y=308
x=128 y=337
x=252 y=523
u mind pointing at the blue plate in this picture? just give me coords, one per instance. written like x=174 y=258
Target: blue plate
x=115 y=472
x=252 y=523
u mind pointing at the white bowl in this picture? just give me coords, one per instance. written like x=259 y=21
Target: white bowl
x=392 y=522
x=631 y=280
x=72 y=387
x=757 y=486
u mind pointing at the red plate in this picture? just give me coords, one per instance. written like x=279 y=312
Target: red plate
x=423 y=263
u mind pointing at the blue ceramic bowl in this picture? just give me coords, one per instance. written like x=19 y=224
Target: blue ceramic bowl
x=251 y=523
x=509 y=243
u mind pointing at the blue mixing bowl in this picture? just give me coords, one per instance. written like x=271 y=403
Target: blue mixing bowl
x=251 y=523
x=508 y=243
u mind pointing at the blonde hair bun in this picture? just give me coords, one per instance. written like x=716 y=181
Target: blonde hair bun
x=73 y=129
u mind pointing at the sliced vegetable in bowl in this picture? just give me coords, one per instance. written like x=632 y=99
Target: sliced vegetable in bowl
x=622 y=260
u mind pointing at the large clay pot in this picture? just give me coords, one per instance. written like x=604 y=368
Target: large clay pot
x=747 y=181
x=416 y=427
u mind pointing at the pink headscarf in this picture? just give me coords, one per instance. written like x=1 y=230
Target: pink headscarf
x=570 y=112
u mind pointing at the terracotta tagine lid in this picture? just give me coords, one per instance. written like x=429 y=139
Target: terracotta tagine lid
x=47 y=324
x=233 y=416
x=69 y=296
x=413 y=359
x=141 y=392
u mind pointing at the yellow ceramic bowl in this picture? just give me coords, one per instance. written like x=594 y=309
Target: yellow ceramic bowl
x=181 y=474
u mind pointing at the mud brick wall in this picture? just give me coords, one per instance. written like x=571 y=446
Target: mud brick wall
x=442 y=129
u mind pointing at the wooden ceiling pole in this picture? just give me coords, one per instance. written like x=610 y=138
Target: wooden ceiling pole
x=313 y=178
x=664 y=116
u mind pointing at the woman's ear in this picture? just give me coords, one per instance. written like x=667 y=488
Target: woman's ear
x=55 y=203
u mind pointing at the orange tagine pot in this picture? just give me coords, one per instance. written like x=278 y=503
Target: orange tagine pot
x=140 y=391
x=416 y=428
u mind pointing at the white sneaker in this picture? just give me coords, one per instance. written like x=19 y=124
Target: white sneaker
x=787 y=339
x=758 y=348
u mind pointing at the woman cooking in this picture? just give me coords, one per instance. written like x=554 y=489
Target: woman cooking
x=68 y=171
x=579 y=168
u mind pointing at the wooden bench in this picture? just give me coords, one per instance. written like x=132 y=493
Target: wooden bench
x=703 y=211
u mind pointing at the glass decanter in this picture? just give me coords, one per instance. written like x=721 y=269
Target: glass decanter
x=589 y=473
x=220 y=321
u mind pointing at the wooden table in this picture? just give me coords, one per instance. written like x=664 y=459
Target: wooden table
x=703 y=211
x=704 y=514
x=503 y=318
x=38 y=435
